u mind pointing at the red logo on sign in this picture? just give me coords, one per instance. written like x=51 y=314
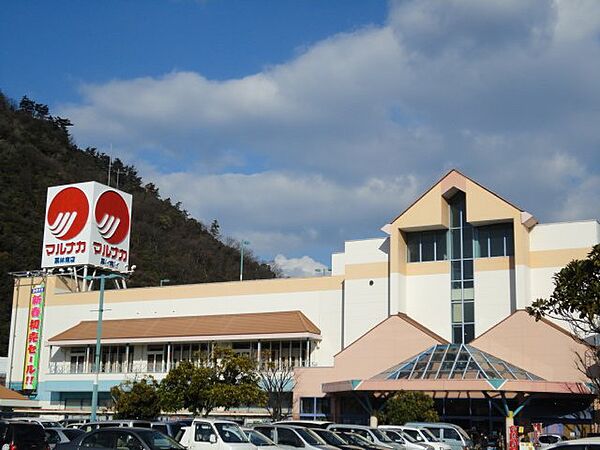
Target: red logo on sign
x=68 y=213
x=112 y=217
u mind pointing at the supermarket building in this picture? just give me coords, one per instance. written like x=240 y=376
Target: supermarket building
x=434 y=305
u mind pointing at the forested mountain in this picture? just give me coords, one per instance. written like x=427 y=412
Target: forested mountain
x=36 y=151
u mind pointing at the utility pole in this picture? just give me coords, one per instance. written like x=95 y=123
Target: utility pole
x=242 y=243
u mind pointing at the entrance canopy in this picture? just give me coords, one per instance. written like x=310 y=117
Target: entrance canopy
x=455 y=362
x=457 y=370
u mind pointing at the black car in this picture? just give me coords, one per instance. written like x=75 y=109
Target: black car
x=22 y=435
x=334 y=439
x=122 y=438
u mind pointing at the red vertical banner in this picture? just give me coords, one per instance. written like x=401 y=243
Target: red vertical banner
x=33 y=341
x=513 y=439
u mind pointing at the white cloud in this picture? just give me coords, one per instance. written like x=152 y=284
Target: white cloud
x=331 y=144
x=300 y=267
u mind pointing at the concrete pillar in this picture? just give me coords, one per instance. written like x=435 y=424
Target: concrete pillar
x=373 y=421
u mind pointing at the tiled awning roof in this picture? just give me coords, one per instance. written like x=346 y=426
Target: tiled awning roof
x=269 y=324
x=7 y=394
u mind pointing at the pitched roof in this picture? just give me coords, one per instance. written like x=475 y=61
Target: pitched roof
x=7 y=394
x=284 y=322
x=464 y=176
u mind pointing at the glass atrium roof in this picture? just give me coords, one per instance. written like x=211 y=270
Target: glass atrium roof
x=455 y=362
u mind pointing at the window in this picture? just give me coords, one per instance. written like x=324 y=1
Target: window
x=314 y=408
x=155 y=358
x=286 y=436
x=77 y=359
x=494 y=240
x=427 y=246
x=461 y=272
x=267 y=431
x=106 y=439
x=52 y=436
x=126 y=441
x=158 y=441
x=434 y=431
x=451 y=434
x=202 y=432
x=230 y=432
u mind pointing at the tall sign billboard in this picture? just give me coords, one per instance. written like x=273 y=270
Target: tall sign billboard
x=87 y=224
x=33 y=339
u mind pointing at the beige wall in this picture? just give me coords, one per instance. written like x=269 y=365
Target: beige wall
x=537 y=347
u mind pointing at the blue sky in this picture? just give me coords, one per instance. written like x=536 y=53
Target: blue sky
x=301 y=124
x=49 y=48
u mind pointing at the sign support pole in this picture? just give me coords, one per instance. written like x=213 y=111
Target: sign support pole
x=97 y=355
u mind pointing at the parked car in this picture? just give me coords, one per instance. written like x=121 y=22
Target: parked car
x=449 y=433
x=423 y=436
x=401 y=438
x=546 y=440
x=122 y=438
x=56 y=436
x=90 y=426
x=589 y=443
x=203 y=434
x=45 y=423
x=66 y=423
x=359 y=441
x=292 y=436
x=259 y=440
x=332 y=438
x=312 y=424
x=171 y=427
x=22 y=435
x=372 y=434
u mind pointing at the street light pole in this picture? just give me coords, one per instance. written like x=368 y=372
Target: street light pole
x=242 y=258
x=98 y=346
x=102 y=279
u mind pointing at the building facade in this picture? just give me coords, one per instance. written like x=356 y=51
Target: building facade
x=455 y=268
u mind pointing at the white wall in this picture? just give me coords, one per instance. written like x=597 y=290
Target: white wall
x=428 y=302
x=365 y=306
x=366 y=251
x=492 y=298
x=564 y=235
x=398 y=293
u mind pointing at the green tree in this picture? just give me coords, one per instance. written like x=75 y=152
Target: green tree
x=576 y=301
x=227 y=380
x=408 y=406
x=137 y=399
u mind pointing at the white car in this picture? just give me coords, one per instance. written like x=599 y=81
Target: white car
x=290 y=437
x=374 y=435
x=546 y=440
x=401 y=437
x=215 y=434
x=592 y=443
x=424 y=436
